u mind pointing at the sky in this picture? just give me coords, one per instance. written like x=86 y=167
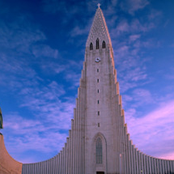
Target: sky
x=42 y=46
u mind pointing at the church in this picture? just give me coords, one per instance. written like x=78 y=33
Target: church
x=98 y=142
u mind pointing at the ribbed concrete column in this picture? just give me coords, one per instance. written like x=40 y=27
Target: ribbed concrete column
x=140 y=162
x=64 y=165
x=129 y=155
x=132 y=159
x=59 y=162
x=157 y=166
x=73 y=147
x=75 y=139
x=127 y=152
x=69 y=153
x=172 y=166
x=144 y=164
x=78 y=132
x=66 y=157
x=168 y=165
x=154 y=159
x=162 y=166
x=153 y=165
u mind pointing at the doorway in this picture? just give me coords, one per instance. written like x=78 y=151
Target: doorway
x=100 y=172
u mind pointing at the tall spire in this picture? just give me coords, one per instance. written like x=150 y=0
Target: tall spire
x=98 y=5
x=99 y=29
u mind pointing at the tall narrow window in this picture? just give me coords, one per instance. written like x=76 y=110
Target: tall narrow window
x=99 y=151
x=103 y=44
x=97 y=80
x=98 y=101
x=91 y=46
x=98 y=90
x=97 y=43
x=97 y=70
x=98 y=112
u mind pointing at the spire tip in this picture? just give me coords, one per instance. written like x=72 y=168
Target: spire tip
x=98 y=5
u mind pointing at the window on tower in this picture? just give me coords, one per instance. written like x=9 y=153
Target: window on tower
x=91 y=46
x=98 y=151
x=97 y=43
x=103 y=44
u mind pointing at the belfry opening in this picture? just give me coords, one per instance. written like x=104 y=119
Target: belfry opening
x=100 y=172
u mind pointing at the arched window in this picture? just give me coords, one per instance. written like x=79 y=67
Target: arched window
x=91 y=46
x=103 y=44
x=97 y=43
x=99 y=151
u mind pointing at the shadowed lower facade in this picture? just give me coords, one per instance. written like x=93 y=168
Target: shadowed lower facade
x=98 y=141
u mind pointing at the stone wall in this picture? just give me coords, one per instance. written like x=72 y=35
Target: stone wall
x=7 y=164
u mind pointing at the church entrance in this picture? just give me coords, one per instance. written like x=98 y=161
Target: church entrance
x=100 y=172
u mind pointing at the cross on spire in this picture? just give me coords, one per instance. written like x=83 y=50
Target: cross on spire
x=98 y=5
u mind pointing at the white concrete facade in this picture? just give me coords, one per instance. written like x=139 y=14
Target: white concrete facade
x=99 y=117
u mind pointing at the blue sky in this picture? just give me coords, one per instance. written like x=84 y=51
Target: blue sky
x=42 y=45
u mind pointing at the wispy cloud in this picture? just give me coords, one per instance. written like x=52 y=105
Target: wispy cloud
x=131 y=70
x=134 y=37
x=52 y=67
x=40 y=97
x=142 y=96
x=156 y=128
x=154 y=14
x=80 y=31
x=169 y=155
x=131 y=6
x=73 y=77
x=41 y=50
x=18 y=36
x=170 y=75
x=29 y=134
x=53 y=6
x=134 y=27
x=69 y=9
x=51 y=122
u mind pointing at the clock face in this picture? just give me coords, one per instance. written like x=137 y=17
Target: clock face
x=97 y=59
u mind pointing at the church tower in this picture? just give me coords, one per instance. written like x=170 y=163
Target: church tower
x=98 y=141
x=103 y=105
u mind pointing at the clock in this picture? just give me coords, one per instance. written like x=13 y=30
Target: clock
x=97 y=60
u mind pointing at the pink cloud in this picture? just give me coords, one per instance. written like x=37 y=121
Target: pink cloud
x=134 y=37
x=169 y=156
x=154 y=14
x=154 y=129
x=133 y=5
x=137 y=4
x=123 y=26
x=142 y=95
